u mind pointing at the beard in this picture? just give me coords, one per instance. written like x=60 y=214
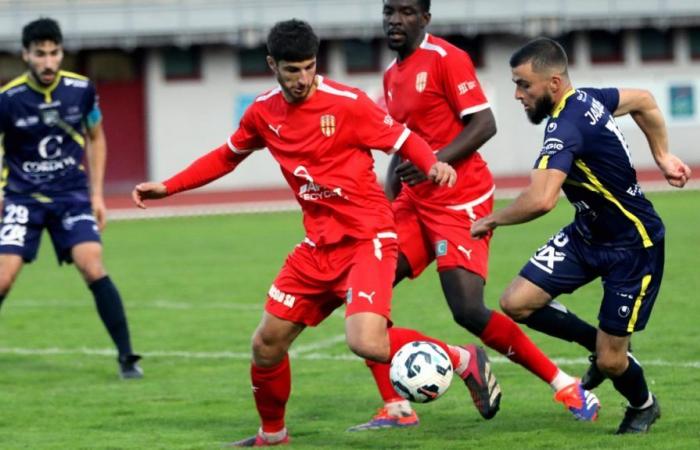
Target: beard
x=543 y=108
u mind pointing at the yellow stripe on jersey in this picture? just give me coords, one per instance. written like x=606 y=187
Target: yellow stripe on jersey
x=638 y=303
x=557 y=109
x=608 y=195
x=543 y=162
x=72 y=132
x=590 y=187
x=3 y=177
x=14 y=83
x=46 y=90
x=73 y=75
x=41 y=198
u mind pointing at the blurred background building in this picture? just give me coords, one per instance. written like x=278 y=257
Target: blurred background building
x=175 y=75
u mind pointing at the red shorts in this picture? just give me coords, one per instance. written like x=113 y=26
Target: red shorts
x=314 y=281
x=430 y=231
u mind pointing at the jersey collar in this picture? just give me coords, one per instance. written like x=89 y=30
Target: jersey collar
x=558 y=108
x=46 y=90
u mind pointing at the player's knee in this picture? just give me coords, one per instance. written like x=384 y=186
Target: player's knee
x=512 y=308
x=368 y=348
x=92 y=270
x=267 y=351
x=473 y=316
x=7 y=279
x=612 y=364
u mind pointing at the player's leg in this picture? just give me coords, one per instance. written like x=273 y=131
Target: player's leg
x=76 y=239
x=631 y=286
x=299 y=297
x=545 y=315
x=368 y=311
x=414 y=256
x=87 y=257
x=10 y=266
x=557 y=267
x=271 y=378
x=21 y=226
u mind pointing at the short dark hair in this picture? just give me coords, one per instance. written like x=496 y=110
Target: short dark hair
x=292 y=40
x=544 y=53
x=43 y=29
x=425 y=5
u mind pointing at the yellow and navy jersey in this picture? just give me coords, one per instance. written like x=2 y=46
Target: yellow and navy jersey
x=44 y=134
x=582 y=140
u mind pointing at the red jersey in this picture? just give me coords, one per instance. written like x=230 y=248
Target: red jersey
x=430 y=92
x=323 y=148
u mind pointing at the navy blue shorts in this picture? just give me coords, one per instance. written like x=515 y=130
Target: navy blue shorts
x=631 y=277
x=68 y=222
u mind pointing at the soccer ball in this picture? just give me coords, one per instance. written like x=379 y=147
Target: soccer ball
x=421 y=371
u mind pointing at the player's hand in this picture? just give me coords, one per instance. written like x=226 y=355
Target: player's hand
x=99 y=209
x=482 y=227
x=147 y=191
x=442 y=174
x=409 y=173
x=677 y=172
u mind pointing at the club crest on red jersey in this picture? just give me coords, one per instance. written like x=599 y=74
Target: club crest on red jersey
x=328 y=125
x=421 y=81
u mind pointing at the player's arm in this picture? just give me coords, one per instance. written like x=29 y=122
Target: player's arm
x=537 y=199
x=96 y=152
x=204 y=170
x=642 y=106
x=392 y=185
x=418 y=152
x=478 y=128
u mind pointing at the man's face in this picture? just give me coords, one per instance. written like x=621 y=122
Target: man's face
x=532 y=89
x=295 y=78
x=44 y=60
x=404 y=22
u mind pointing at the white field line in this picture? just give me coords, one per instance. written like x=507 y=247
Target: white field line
x=304 y=356
x=298 y=350
x=136 y=304
x=265 y=206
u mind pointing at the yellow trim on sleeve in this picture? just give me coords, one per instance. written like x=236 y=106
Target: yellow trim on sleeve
x=66 y=73
x=14 y=83
x=543 y=162
x=646 y=240
x=638 y=303
x=560 y=106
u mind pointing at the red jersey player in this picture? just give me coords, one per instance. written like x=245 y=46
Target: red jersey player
x=321 y=132
x=432 y=88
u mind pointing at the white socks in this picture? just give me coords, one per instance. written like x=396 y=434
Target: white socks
x=561 y=381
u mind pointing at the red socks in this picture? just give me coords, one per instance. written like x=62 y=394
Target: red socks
x=271 y=388
x=505 y=336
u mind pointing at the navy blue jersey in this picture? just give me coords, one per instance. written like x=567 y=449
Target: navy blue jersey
x=44 y=130
x=583 y=140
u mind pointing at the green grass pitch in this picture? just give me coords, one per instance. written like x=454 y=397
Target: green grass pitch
x=194 y=289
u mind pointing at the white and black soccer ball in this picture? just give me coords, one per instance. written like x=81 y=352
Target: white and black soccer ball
x=421 y=371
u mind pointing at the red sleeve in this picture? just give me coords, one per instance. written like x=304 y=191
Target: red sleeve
x=461 y=85
x=246 y=137
x=374 y=128
x=416 y=150
x=206 y=169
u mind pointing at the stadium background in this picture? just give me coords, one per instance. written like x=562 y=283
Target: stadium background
x=175 y=75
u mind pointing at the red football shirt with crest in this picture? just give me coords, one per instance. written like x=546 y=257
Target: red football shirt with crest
x=430 y=92
x=323 y=148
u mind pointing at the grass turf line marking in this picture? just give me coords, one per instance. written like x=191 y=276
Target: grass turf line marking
x=306 y=356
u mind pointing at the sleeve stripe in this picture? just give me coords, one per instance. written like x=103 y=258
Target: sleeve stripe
x=399 y=142
x=235 y=150
x=543 y=162
x=474 y=109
